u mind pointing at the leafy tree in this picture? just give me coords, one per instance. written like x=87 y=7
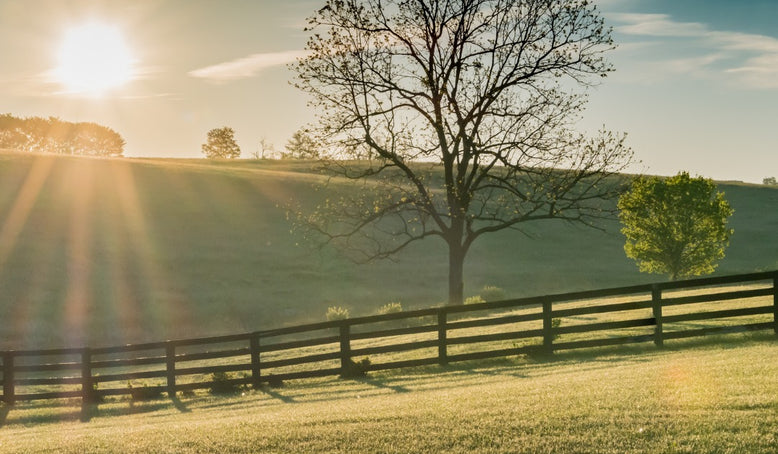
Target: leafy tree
x=52 y=135
x=770 y=181
x=301 y=146
x=221 y=144
x=675 y=226
x=454 y=120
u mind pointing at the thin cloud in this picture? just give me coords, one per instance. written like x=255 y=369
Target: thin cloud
x=246 y=67
x=751 y=58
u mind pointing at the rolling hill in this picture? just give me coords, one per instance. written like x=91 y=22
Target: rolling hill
x=113 y=251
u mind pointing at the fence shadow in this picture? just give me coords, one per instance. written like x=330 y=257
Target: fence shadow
x=4 y=410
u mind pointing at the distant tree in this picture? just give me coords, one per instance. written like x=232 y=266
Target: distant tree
x=52 y=135
x=454 y=120
x=265 y=150
x=770 y=181
x=301 y=146
x=675 y=226
x=221 y=144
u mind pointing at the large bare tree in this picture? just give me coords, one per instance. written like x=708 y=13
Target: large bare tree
x=457 y=119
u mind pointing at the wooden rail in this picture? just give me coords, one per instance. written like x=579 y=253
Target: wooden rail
x=507 y=327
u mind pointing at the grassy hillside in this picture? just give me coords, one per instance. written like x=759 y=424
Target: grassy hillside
x=111 y=251
x=710 y=397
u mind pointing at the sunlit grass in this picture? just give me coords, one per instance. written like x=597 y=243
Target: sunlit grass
x=713 y=395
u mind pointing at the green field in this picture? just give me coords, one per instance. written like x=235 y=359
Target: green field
x=110 y=251
x=113 y=251
x=705 y=396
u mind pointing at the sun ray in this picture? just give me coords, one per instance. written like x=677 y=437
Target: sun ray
x=164 y=303
x=17 y=217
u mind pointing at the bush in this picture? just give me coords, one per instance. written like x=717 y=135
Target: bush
x=492 y=293
x=337 y=313
x=356 y=369
x=390 y=308
x=222 y=384
x=144 y=392
x=474 y=300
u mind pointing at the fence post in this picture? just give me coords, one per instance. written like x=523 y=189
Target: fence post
x=87 y=387
x=8 y=378
x=170 y=365
x=548 y=335
x=345 y=349
x=442 y=338
x=656 y=306
x=775 y=302
x=255 y=370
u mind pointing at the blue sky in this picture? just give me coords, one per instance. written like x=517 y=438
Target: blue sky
x=695 y=87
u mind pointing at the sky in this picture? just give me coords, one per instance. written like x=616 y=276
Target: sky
x=695 y=86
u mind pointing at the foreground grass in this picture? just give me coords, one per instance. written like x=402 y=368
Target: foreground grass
x=715 y=395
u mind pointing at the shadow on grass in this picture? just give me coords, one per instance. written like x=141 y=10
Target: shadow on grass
x=4 y=410
x=276 y=395
x=382 y=384
x=424 y=378
x=179 y=405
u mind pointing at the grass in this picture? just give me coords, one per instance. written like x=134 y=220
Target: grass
x=430 y=353
x=711 y=395
x=114 y=251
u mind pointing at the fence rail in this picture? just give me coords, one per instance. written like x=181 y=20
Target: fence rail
x=413 y=338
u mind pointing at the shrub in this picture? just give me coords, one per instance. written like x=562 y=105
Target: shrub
x=222 y=383
x=356 y=369
x=474 y=300
x=144 y=392
x=492 y=293
x=337 y=313
x=390 y=308
x=556 y=323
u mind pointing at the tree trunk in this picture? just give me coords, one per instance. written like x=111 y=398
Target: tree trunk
x=456 y=261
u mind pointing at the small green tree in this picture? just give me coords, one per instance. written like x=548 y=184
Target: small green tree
x=675 y=226
x=301 y=146
x=221 y=144
x=770 y=181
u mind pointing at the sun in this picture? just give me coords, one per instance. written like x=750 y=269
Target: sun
x=93 y=59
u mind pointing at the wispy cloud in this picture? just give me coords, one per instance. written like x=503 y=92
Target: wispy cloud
x=246 y=67
x=751 y=59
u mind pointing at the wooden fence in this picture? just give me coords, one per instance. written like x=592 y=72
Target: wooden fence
x=440 y=335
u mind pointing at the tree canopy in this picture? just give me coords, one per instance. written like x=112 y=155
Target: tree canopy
x=52 y=135
x=221 y=144
x=675 y=226
x=301 y=146
x=456 y=118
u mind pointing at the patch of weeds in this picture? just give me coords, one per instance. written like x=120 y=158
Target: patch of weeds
x=390 y=308
x=477 y=299
x=356 y=369
x=555 y=323
x=94 y=395
x=144 y=392
x=188 y=393
x=337 y=313
x=222 y=383
x=492 y=293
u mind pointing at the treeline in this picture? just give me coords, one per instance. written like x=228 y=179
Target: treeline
x=52 y=135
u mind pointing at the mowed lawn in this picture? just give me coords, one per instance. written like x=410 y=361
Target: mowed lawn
x=717 y=395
